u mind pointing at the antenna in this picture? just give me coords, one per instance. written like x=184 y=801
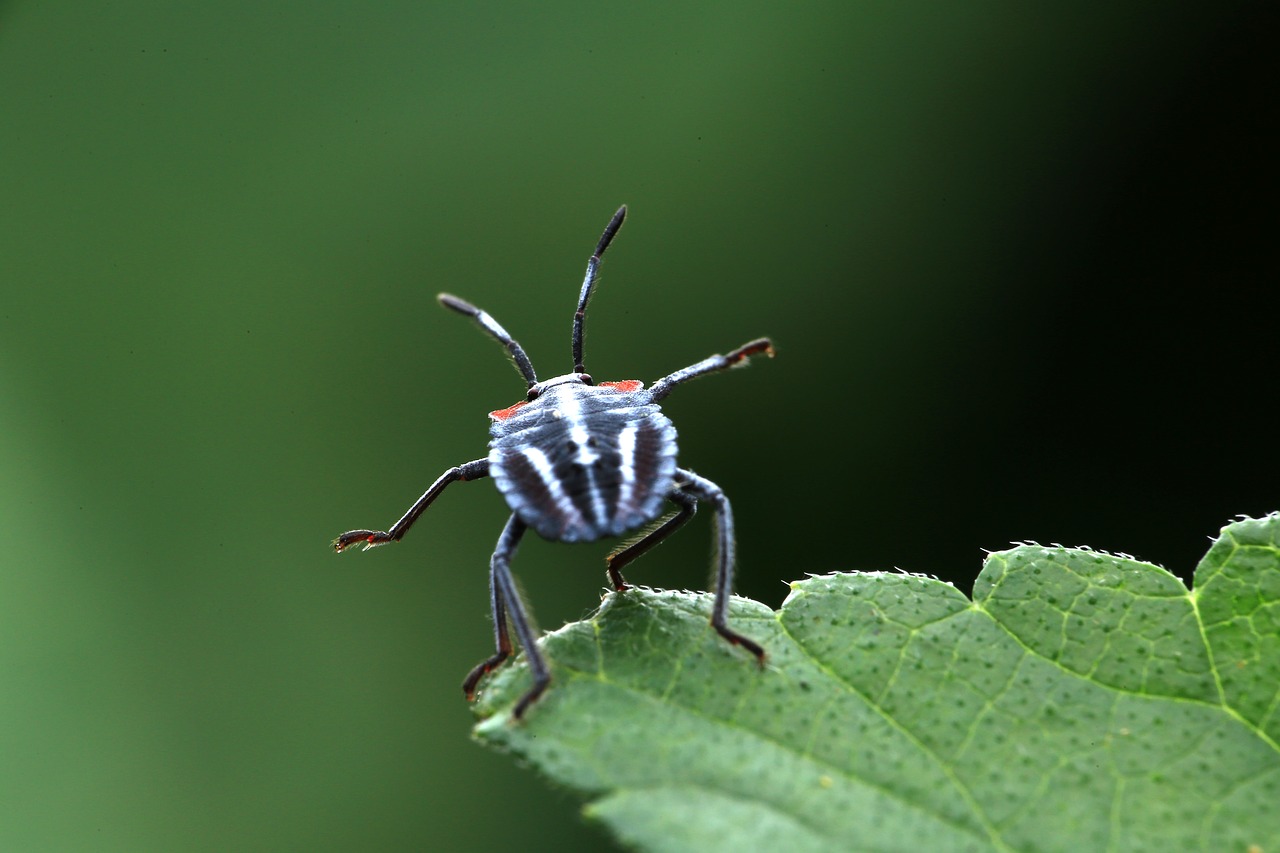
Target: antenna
x=492 y=326
x=589 y=283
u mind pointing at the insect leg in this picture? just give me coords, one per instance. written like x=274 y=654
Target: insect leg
x=688 y=506
x=502 y=640
x=470 y=471
x=507 y=544
x=709 y=491
x=711 y=364
x=505 y=600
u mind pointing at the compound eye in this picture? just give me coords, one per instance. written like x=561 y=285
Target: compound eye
x=533 y=393
x=585 y=379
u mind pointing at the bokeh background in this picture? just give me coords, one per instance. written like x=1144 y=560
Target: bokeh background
x=1018 y=260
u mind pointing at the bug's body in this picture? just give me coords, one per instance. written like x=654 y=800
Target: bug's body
x=577 y=461
x=584 y=461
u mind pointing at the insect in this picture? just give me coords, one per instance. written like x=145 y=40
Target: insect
x=577 y=461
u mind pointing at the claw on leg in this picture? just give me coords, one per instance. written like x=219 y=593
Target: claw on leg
x=739 y=640
x=370 y=538
x=480 y=670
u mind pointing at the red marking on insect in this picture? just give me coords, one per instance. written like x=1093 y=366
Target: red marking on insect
x=503 y=414
x=626 y=386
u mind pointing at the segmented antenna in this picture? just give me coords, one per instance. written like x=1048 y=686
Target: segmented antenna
x=589 y=283
x=492 y=326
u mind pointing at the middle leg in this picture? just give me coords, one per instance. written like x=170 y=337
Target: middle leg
x=688 y=506
x=505 y=601
x=709 y=491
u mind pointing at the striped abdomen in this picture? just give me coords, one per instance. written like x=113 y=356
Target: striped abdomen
x=584 y=461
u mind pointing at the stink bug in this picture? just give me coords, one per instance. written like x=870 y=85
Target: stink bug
x=577 y=461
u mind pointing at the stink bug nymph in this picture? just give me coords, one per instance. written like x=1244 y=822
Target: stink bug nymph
x=577 y=461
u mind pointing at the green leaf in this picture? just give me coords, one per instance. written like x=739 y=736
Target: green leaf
x=1081 y=701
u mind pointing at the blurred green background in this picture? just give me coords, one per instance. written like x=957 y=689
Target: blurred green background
x=1017 y=260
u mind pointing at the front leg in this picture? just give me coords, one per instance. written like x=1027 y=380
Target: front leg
x=710 y=492
x=470 y=471
x=711 y=364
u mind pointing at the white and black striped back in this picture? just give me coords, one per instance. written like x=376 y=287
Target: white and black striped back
x=584 y=461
